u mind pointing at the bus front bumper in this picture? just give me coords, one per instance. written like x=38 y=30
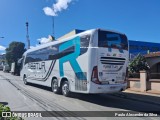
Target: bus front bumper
x=112 y=88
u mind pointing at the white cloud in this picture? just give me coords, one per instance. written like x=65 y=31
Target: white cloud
x=49 y=11
x=44 y=40
x=57 y=7
x=2 y=48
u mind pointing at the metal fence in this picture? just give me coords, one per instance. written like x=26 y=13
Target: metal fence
x=134 y=75
x=154 y=76
x=149 y=75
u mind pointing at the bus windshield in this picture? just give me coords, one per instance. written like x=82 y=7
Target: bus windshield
x=109 y=39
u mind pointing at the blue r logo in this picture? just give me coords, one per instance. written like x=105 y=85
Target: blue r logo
x=71 y=57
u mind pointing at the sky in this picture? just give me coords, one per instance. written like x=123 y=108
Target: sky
x=138 y=19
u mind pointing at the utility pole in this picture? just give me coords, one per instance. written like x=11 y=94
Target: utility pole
x=53 y=32
x=27 y=35
x=53 y=25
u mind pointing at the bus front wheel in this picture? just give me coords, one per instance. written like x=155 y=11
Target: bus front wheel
x=65 y=89
x=55 y=87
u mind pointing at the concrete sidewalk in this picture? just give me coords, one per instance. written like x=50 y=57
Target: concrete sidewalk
x=148 y=92
x=151 y=97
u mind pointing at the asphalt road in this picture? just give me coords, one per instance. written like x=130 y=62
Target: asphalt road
x=20 y=97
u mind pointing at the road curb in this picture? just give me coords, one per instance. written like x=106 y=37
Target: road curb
x=139 y=97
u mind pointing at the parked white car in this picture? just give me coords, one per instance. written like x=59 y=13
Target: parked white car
x=6 y=68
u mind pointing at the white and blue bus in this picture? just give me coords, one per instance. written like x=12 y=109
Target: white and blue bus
x=93 y=61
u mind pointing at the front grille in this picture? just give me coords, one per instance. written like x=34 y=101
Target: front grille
x=112 y=60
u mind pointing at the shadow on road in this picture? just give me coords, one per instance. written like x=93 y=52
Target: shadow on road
x=125 y=101
x=4 y=103
x=40 y=86
x=122 y=101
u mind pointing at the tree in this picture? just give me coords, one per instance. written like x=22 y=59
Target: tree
x=137 y=64
x=14 y=51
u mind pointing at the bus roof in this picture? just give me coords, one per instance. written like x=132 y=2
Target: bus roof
x=57 y=41
x=67 y=38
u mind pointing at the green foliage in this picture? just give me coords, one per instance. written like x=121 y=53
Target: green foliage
x=137 y=64
x=3 y=109
x=14 y=52
x=7 y=109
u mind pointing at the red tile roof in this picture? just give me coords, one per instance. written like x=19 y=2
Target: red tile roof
x=153 y=54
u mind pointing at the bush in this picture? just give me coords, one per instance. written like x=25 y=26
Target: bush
x=7 y=109
x=137 y=64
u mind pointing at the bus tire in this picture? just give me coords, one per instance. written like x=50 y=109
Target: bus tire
x=65 y=89
x=25 y=80
x=55 y=87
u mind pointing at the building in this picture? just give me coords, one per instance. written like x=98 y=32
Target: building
x=153 y=60
x=2 y=57
x=136 y=47
x=73 y=32
x=149 y=50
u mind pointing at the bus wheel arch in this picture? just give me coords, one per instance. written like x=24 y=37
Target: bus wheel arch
x=25 y=79
x=54 y=86
x=65 y=87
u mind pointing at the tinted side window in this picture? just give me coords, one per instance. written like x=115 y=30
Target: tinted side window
x=112 y=40
x=42 y=54
x=58 y=55
x=84 y=43
x=52 y=52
